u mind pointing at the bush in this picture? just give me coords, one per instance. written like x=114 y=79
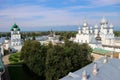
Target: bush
x=15 y=58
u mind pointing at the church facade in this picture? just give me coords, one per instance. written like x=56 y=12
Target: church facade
x=101 y=36
x=15 y=42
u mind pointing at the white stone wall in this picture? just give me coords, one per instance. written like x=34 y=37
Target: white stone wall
x=82 y=38
x=16 y=40
x=1 y=49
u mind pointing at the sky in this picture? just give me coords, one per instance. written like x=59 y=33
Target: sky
x=38 y=14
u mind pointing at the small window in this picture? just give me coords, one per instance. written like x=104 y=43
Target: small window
x=81 y=41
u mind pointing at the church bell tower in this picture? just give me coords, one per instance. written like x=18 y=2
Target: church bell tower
x=15 y=37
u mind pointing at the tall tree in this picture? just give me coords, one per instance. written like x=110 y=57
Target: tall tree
x=33 y=55
x=62 y=59
x=55 y=61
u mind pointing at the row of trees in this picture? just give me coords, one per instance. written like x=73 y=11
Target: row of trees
x=117 y=33
x=66 y=35
x=63 y=35
x=55 y=61
x=4 y=34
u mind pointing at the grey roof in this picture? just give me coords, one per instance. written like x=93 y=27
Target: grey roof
x=41 y=38
x=117 y=38
x=106 y=71
x=2 y=39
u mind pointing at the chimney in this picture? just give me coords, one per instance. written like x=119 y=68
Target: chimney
x=111 y=56
x=95 y=69
x=105 y=59
x=84 y=75
x=119 y=56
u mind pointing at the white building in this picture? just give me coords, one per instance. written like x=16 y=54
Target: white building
x=6 y=43
x=15 y=43
x=52 y=37
x=101 y=36
x=1 y=49
x=2 y=39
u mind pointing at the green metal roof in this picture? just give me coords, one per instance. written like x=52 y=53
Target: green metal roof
x=15 y=26
x=1 y=64
x=101 y=51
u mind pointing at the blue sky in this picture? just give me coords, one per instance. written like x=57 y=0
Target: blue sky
x=36 y=14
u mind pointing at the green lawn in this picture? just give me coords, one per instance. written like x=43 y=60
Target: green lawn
x=17 y=73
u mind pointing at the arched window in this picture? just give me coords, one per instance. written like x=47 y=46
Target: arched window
x=81 y=41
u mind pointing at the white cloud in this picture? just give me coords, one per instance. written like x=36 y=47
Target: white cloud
x=105 y=2
x=26 y=16
x=94 y=3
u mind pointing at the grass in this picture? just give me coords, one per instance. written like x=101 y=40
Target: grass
x=15 y=58
x=17 y=73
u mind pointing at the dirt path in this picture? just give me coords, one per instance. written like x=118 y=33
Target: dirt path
x=6 y=59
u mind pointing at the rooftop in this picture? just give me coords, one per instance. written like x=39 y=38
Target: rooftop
x=106 y=71
x=1 y=63
x=2 y=39
x=101 y=51
x=15 y=26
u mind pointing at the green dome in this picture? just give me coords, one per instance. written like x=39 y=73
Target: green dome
x=15 y=26
x=18 y=29
x=11 y=29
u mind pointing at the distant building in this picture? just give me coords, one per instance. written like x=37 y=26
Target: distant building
x=52 y=37
x=102 y=69
x=1 y=49
x=2 y=39
x=98 y=37
x=6 y=44
x=15 y=43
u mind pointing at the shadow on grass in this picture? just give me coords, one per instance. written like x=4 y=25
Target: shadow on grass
x=21 y=72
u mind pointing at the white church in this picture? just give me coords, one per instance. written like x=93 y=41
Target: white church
x=15 y=42
x=99 y=36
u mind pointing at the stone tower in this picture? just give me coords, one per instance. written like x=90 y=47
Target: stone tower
x=15 y=38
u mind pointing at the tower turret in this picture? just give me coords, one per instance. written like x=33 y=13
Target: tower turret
x=85 y=24
x=79 y=30
x=96 y=29
x=111 y=29
x=15 y=37
x=105 y=28
x=104 y=25
x=85 y=27
x=91 y=31
x=104 y=21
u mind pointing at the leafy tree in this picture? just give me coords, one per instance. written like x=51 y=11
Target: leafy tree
x=33 y=55
x=117 y=33
x=55 y=61
x=62 y=59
